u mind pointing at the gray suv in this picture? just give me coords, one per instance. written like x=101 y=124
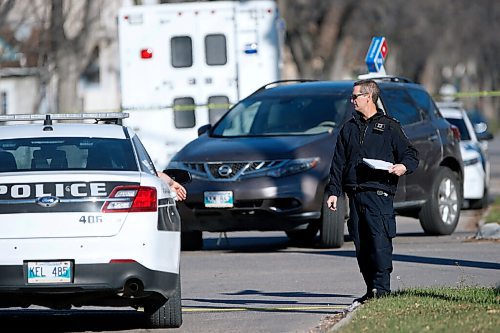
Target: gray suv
x=265 y=164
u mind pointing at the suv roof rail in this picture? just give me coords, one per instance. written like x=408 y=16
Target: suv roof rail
x=382 y=77
x=108 y=117
x=276 y=83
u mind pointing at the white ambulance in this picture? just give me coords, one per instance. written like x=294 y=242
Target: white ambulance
x=183 y=64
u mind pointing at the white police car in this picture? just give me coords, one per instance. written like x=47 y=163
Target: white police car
x=474 y=155
x=85 y=220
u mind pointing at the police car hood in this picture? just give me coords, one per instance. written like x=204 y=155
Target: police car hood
x=69 y=204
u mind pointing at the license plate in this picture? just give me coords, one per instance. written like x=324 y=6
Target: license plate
x=219 y=199
x=49 y=272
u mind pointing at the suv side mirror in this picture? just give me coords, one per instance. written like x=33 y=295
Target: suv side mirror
x=203 y=129
x=179 y=175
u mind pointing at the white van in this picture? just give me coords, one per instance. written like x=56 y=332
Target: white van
x=183 y=65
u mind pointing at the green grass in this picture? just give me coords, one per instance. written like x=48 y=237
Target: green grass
x=494 y=212
x=465 y=309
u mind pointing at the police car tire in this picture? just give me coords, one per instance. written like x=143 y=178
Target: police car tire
x=332 y=224
x=169 y=314
x=191 y=240
x=479 y=203
x=430 y=215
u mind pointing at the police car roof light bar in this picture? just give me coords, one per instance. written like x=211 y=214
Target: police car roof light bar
x=47 y=118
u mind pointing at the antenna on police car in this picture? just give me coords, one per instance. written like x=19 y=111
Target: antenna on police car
x=47 y=121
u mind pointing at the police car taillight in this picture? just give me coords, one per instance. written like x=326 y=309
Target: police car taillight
x=140 y=199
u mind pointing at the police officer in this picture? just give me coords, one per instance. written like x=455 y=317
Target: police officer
x=370 y=134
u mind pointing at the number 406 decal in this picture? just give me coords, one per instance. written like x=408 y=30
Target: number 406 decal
x=91 y=219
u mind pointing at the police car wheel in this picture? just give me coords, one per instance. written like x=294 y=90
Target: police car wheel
x=480 y=203
x=332 y=224
x=440 y=214
x=191 y=240
x=168 y=314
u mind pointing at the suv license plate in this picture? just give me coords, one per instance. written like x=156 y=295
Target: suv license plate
x=49 y=272
x=219 y=199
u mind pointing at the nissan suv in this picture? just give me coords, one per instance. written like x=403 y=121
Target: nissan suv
x=265 y=164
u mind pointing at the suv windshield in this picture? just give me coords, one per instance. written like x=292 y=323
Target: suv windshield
x=35 y=154
x=284 y=115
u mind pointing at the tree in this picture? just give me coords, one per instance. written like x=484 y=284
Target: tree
x=68 y=37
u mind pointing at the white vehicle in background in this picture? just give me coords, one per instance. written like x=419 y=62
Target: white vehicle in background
x=183 y=65
x=85 y=219
x=474 y=155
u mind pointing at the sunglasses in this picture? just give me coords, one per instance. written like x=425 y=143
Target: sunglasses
x=354 y=96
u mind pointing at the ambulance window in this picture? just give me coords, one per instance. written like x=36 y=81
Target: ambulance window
x=217 y=106
x=184 y=116
x=182 y=51
x=215 y=50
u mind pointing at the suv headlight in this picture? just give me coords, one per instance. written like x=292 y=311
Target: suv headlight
x=471 y=161
x=293 y=167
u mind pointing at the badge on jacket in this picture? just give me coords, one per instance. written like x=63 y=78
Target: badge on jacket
x=379 y=127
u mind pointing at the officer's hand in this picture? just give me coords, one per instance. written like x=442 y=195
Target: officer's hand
x=332 y=202
x=397 y=169
x=180 y=190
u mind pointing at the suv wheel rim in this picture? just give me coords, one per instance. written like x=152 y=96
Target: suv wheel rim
x=448 y=201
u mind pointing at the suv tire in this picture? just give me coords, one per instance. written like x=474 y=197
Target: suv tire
x=332 y=224
x=304 y=236
x=168 y=314
x=440 y=214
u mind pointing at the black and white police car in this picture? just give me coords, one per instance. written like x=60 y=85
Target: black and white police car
x=84 y=218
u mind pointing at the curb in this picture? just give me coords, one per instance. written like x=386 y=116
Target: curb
x=343 y=322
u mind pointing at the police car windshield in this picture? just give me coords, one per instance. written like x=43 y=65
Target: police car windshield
x=284 y=115
x=36 y=154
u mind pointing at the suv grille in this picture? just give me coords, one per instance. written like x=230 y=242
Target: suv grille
x=230 y=171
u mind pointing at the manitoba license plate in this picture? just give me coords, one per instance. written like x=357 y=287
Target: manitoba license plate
x=49 y=272
x=219 y=199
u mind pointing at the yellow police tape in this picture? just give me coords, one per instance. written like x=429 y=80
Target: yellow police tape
x=272 y=309
x=493 y=93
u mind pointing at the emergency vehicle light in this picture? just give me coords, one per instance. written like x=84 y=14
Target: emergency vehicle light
x=64 y=116
x=146 y=54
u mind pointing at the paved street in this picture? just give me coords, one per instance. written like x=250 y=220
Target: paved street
x=258 y=282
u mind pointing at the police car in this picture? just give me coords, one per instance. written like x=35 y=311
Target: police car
x=84 y=218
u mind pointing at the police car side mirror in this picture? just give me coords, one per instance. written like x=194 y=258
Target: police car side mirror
x=179 y=175
x=484 y=136
x=204 y=129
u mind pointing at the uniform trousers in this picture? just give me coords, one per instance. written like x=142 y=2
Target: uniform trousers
x=372 y=225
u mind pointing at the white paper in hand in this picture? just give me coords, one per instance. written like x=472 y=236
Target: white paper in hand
x=377 y=164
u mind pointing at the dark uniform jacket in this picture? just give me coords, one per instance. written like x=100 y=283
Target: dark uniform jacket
x=379 y=137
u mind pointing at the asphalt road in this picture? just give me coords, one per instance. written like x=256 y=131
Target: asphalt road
x=258 y=282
